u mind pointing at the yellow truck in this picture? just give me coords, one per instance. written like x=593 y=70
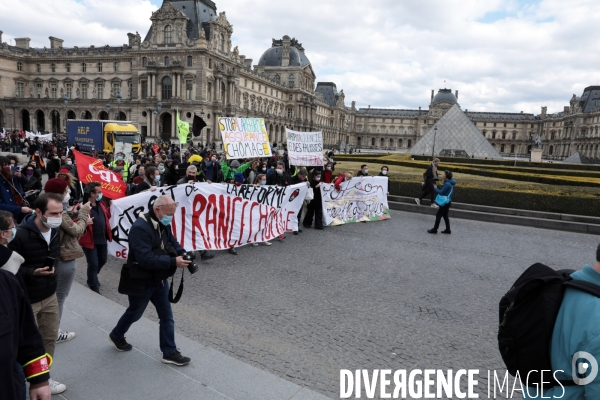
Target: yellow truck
x=102 y=136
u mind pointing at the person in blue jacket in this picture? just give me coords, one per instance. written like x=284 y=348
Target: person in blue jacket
x=575 y=342
x=12 y=197
x=446 y=190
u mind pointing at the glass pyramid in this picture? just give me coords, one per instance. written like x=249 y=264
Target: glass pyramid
x=456 y=136
x=577 y=158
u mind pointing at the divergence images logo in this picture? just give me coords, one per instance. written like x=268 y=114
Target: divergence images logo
x=580 y=368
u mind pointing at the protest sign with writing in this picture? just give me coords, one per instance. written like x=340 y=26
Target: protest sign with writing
x=305 y=148
x=46 y=137
x=214 y=216
x=360 y=199
x=91 y=169
x=244 y=137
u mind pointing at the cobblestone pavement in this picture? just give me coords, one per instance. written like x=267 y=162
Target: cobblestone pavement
x=363 y=296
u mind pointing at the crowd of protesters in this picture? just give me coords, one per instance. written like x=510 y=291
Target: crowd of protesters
x=45 y=228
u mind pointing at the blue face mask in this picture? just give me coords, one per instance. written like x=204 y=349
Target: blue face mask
x=166 y=220
x=99 y=197
x=119 y=158
x=263 y=182
x=157 y=178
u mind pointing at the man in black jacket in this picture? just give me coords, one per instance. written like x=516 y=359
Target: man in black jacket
x=38 y=242
x=281 y=177
x=154 y=255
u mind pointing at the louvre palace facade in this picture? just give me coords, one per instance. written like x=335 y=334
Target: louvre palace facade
x=187 y=62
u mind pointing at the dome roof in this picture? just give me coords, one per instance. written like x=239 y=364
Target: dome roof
x=272 y=57
x=444 y=95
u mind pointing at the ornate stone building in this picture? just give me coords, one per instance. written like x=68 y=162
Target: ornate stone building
x=187 y=62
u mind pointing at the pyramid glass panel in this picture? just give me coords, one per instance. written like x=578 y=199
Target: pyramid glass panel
x=456 y=136
x=577 y=158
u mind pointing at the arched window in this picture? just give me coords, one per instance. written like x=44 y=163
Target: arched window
x=167 y=88
x=167 y=61
x=391 y=142
x=502 y=149
x=493 y=135
x=291 y=81
x=512 y=149
x=400 y=143
x=372 y=141
x=382 y=142
x=19 y=66
x=168 y=34
x=409 y=145
x=551 y=150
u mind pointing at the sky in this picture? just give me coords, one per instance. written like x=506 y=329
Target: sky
x=501 y=55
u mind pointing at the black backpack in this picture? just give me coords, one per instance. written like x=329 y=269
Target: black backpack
x=528 y=312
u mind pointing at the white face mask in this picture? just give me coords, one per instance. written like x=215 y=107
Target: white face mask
x=279 y=171
x=384 y=172
x=52 y=222
x=317 y=179
x=67 y=198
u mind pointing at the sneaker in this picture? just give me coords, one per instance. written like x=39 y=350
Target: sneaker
x=205 y=256
x=267 y=243
x=176 y=358
x=435 y=205
x=431 y=231
x=418 y=202
x=233 y=251
x=447 y=232
x=254 y=244
x=56 y=387
x=120 y=345
x=64 y=336
x=281 y=237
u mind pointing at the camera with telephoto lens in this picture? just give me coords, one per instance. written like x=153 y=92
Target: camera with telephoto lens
x=192 y=267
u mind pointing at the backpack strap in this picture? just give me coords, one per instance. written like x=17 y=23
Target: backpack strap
x=584 y=287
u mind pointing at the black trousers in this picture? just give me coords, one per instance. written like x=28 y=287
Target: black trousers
x=442 y=213
x=315 y=211
x=428 y=190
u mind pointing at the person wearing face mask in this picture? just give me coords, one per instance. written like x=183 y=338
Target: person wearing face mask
x=364 y=170
x=31 y=181
x=315 y=206
x=190 y=175
x=69 y=165
x=120 y=161
x=327 y=175
x=384 y=171
x=212 y=169
x=38 y=241
x=70 y=250
x=12 y=197
x=53 y=165
x=97 y=234
x=39 y=161
x=251 y=173
x=171 y=176
x=154 y=256
x=280 y=177
x=151 y=180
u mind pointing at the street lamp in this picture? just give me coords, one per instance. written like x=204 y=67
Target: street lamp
x=434 y=135
x=118 y=97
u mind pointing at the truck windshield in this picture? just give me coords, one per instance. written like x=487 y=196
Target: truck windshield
x=127 y=138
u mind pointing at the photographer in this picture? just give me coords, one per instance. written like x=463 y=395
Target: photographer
x=154 y=256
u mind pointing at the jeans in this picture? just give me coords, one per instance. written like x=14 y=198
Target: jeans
x=96 y=258
x=159 y=296
x=442 y=213
x=65 y=273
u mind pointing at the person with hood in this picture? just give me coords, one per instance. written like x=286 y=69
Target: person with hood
x=427 y=185
x=446 y=190
x=315 y=206
x=38 y=241
x=70 y=250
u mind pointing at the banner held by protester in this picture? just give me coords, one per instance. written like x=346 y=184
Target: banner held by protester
x=305 y=148
x=244 y=137
x=214 y=216
x=360 y=199
x=91 y=169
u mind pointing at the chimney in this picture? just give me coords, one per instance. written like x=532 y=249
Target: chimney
x=567 y=109
x=242 y=59
x=456 y=95
x=285 y=56
x=55 y=43
x=22 y=43
x=521 y=112
x=369 y=106
x=248 y=63
x=431 y=94
x=131 y=37
x=1 y=36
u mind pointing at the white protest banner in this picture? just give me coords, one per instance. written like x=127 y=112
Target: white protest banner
x=39 y=136
x=214 y=216
x=360 y=199
x=125 y=148
x=305 y=148
x=244 y=137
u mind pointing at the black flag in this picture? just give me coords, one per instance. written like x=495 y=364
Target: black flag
x=197 y=125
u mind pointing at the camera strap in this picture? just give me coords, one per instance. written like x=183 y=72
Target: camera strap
x=179 y=291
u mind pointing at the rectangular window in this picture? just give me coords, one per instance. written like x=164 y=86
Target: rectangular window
x=100 y=90
x=38 y=68
x=53 y=67
x=20 y=89
x=69 y=90
x=84 y=67
x=53 y=90
x=116 y=88
x=116 y=67
x=38 y=90
x=144 y=89
x=188 y=90
x=245 y=82
x=289 y=113
x=99 y=67
x=68 y=67
x=84 y=91
x=209 y=92
x=190 y=61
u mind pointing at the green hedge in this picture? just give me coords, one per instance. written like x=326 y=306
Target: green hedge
x=547 y=165
x=507 y=199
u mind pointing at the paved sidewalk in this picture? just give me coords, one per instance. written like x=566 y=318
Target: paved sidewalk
x=92 y=369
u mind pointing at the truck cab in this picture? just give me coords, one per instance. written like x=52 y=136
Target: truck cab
x=119 y=132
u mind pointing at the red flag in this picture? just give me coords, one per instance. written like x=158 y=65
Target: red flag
x=92 y=170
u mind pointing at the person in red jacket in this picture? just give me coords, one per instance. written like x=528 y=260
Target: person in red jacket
x=342 y=177
x=94 y=241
